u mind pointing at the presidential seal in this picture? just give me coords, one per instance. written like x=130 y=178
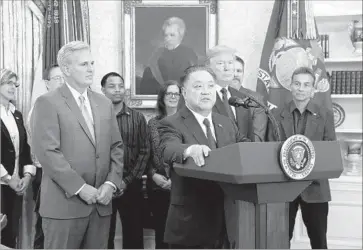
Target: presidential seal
x=297 y=157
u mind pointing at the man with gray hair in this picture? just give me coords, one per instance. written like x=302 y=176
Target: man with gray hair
x=75 y=137
x=169 y=61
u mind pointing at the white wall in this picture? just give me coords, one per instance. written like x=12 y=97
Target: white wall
x=242 y=25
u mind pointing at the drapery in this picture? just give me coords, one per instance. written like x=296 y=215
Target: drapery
x=65 y=21
x=21 y=44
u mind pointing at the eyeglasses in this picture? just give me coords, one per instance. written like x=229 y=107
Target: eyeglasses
x=170 y=94
x=16 y=84
x=57 y=78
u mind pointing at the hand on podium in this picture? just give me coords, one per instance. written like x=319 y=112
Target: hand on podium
x=198 y=153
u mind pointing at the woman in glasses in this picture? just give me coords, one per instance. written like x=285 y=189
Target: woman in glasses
x=159 y=183
x=16 y=168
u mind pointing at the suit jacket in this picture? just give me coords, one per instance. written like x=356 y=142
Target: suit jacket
x=251 y=122
x=64 y=147
x=7 y=147
x=319 y=127
x=196 y=212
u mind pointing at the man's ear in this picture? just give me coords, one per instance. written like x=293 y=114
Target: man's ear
x=66 y=70
x=103 y=90
x=183 y=92
x=46 y=84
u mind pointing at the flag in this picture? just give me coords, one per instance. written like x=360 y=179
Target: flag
x=292 y=41
x=65 y=21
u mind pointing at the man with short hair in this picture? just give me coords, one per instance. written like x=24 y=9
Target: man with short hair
x=75 y=137
x=196 y=214
x=221 y=59
x=303 y=116
x=53 y=79
x=133 y=129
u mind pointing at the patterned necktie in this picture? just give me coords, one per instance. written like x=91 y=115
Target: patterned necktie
x=212 y=143
x=87 y=116
x=226 y=104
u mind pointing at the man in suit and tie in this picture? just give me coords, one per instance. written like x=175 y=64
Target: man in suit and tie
x=196 y=214
x=303 y=116
x=250 y=122
x=75 y=137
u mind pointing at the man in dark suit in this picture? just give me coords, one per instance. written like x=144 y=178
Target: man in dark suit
x=251 y=122
x=196 y=214
x=302 y=116
x=76 y=139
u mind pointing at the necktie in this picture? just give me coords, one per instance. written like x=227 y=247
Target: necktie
x=226 y=104
x=212 y=143
x=87 y=116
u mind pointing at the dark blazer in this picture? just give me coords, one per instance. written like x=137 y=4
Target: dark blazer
x=251 y=122
x=196 y=212
x=69 y=157
x=7 y=147
x=319 y=127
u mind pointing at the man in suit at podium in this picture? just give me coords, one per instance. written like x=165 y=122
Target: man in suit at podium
x=302 y=116
x=196 y=214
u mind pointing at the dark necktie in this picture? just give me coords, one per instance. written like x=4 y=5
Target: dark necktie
x=212 y=143
x=226 y=104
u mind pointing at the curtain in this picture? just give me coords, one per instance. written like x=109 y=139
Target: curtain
x=21 y=45
x=21 y=33
x=65 y=21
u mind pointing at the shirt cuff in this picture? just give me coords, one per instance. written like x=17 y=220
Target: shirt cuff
x=186 y=152
x=30 y=169
x=112 y=185
x=3 y=171
x=79 y=190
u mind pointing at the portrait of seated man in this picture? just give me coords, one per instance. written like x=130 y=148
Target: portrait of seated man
x=169 y=61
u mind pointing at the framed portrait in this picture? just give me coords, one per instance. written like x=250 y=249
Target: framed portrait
x=160 y=40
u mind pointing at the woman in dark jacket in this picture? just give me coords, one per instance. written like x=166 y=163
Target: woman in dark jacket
x=159 y=183
x=16 y=168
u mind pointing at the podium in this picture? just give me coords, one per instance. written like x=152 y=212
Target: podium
x=257 y=191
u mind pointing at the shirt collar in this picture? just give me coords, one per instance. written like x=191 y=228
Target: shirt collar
x=200 y=118
x=76 y=94
x=125 y=110
x=309 y=107
x=11 y=107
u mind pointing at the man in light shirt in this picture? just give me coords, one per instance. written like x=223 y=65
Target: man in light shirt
x=75 y=137
x=196 y=213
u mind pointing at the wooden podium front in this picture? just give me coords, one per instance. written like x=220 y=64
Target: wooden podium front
x=257 y=191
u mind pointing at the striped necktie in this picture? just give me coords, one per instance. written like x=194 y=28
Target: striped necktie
x=226 y=104
x=212 y=143
x=87 y=116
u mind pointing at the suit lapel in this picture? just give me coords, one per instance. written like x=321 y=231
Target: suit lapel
x=219 y=106
x=192 y=124
x=240 y=112
x=312 y=124
x=72 y=104
x=220 y=132
x=287 y=122
x=96 y=115
x=5 y=131
x=20 y=131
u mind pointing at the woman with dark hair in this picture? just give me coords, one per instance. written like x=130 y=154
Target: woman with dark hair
x=16 y=168
x=159 y=183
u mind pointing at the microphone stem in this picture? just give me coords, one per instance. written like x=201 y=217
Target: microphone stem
x=273 y=120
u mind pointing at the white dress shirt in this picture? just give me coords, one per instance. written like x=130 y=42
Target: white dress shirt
x=87 y=103
x=9 y=121
x=200 y=118
x=76 y=96
x=219 y=88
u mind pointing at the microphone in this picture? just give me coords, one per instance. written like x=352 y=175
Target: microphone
x=251 y=102
x=246 y=102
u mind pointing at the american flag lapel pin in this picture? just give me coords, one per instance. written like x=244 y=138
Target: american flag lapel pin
x=219 y=125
